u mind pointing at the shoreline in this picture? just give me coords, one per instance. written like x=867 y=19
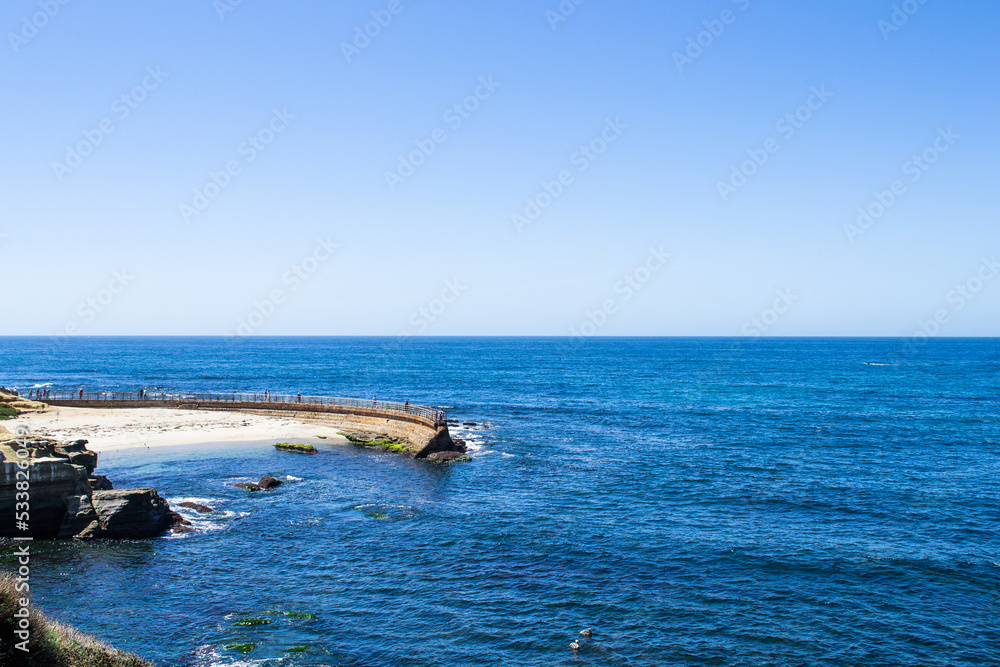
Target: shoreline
x=158 y=429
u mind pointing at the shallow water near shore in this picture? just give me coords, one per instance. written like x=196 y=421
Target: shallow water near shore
x=694 y=501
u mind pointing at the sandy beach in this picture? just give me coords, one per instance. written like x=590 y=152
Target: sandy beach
x=118 y=429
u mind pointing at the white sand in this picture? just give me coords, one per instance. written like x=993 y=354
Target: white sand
x=116 y=429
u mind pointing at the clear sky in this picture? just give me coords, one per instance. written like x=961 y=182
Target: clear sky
x=611 y=168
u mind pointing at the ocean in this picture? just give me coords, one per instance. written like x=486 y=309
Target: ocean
x=693 y=501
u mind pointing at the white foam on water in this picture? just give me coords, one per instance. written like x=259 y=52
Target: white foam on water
x=475 y=446
x=473 y=436
x=207 y=526
x=192 y=499
x=293 y=478
x=210 y=656
x=207 y=522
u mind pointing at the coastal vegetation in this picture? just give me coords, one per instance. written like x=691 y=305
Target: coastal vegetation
x=12 y=405
x=51 y=644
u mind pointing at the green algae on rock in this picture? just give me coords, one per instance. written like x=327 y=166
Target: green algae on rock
x=297 y=448
x=244 y=648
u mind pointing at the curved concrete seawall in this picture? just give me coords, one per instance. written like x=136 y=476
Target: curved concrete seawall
x=419 y=429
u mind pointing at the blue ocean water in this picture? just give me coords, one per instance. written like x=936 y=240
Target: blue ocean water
x=694 y=501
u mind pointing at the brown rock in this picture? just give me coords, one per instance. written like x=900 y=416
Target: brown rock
x=79 y=515
x=91 y=532
x=204 y=509
x=132 y=513
x=448 y=457
x=101 y=483
x=178 y=520
x=267 y=482
x=78 y=454
x=248 y=487
x=57 y=487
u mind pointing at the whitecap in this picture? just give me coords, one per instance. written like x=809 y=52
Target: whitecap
x=207 y=526
x=193 y=499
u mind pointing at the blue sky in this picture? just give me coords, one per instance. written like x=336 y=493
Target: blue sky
x=308 y=119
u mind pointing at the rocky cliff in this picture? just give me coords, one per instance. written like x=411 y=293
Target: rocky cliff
x=66 y=499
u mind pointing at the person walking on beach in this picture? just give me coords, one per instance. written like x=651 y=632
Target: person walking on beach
x=81 y=394
x=374 y=402
x=300 y=397
x=406 y=405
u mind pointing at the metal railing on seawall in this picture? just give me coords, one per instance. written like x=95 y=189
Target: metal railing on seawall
x=264 y=401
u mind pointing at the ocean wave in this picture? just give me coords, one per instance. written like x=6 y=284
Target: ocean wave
x=205 y=522
x=193 y=499
x=473 y=437
x=211 y=656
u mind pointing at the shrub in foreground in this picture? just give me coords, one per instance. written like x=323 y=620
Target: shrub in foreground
x=51 y=644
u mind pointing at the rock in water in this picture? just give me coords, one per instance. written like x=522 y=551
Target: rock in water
x=298 y=449
x=80 y=514
x=448 y=457
x=132 y=513
x=178 y=520
x=67 y=499
x=248 y=487
x=204 y=509
x=267 y=482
